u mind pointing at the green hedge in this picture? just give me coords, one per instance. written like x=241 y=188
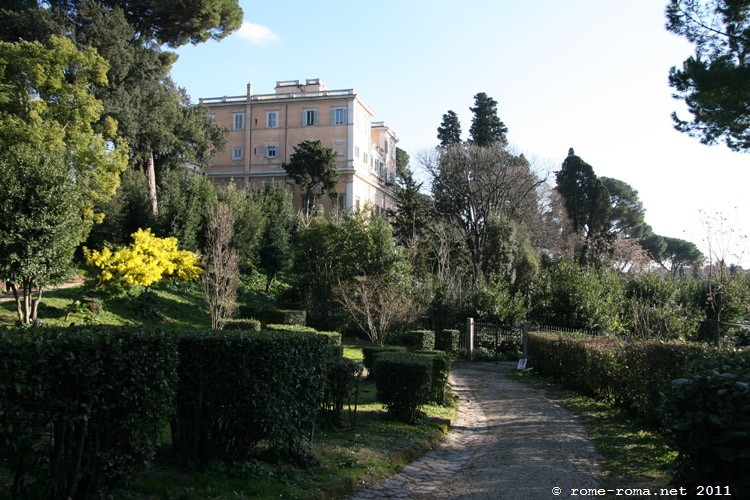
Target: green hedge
x=342 y=379
x=423 y=340
x=368 y=356
x=81 y=409
x=448 y=341
x=275 y=316
x=332 y=338
x=404 y=383
x=242 y=324
x=631 y=374
x=441 y=370
x=709 y=423
x=240 y=388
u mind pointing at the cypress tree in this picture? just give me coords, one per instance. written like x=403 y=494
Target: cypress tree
x=486 y=126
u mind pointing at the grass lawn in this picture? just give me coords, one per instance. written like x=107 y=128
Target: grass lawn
x=633 y=456
x=169 y=303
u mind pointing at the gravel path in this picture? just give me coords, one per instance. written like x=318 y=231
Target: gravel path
x=508 y=442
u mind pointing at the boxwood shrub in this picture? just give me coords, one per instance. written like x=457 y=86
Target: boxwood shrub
x=404 y=382
x=423 y=340
x=631 y=374
x=441 y=370
x=274 y=316
x=242 y=324
x=368 y=355
x=342 y=381
x=239 y=388
x=709 y=424
x=333 y=339
x=81 y=408
x=448 y=341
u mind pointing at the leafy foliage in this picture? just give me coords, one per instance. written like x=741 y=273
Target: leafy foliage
x=486 y=127
x=404 y=383
x=709 y=423
x=238 y=388
x=632 y=375
x=82 y=408
x=587 y=202
x=715 y=82
x=313 y=168
x=449 y=131
x=145 y=261
x=579 y=297
x=56 y=160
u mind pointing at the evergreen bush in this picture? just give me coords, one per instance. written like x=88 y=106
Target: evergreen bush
x=368 y=355
x=423 y=340
x=709 y=424
x=448 y=341
x=240 y=388
x=81 y=409
x=404 y=383
x=249 y=324
x=441 y=369
x=630 y=374
x=342 y=379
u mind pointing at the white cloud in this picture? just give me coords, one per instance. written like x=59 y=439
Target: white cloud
x=257 y=34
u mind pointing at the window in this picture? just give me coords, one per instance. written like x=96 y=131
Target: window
x=341 y=202
x=338 y=116
x=339 y=147
x=238 y=153
x=211 y=117
x=309 y=117
x=272 y=119
x=238 y=121
x=356 y=152
x=271 y=151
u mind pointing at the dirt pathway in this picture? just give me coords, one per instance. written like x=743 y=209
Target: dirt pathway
x=509 y=442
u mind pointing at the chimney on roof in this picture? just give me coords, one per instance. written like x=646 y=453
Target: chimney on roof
x=249 y=91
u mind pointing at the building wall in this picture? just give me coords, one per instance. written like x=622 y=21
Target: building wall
x=264 y=128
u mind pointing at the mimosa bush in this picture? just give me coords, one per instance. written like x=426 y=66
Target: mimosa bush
x=145 y=261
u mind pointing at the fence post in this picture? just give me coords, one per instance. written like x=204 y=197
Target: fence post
x=525 y=327
x=470 y=338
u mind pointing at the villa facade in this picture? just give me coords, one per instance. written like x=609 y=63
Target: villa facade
x=264 y=128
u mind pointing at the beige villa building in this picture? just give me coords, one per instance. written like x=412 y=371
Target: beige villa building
x=264 y=128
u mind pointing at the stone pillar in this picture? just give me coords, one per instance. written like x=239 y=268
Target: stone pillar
x=470 y=338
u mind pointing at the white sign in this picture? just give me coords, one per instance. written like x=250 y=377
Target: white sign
x=521 y=364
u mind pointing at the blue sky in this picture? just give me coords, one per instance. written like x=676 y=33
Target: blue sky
x=587 y=74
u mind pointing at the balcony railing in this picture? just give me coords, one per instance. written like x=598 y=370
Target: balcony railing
x=271 y=97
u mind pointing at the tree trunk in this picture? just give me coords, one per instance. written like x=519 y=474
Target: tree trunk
x=151 y=175
x=19 y=309
x=35 y=304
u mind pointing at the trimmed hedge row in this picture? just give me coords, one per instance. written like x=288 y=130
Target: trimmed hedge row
x=81 y=409
x=238 y=388
x=342 y=381
x=250 y=324
x=368 y=356
x=448 y=341
x=709 y=423
x=632 y=375
x=332 y=338
x=275 y=316
x=399 y=380
x=404 y=383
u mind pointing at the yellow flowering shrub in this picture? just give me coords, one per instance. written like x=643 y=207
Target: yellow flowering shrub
x=145 y=261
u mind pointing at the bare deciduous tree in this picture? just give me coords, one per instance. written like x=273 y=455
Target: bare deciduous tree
x=221 y=263
x=470 y=183
x=376 y=304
